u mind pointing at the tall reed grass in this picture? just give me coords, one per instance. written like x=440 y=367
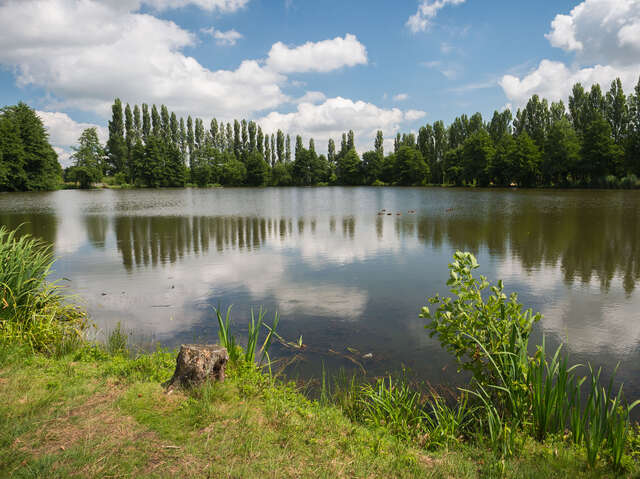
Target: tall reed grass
x=32 y=308
x=253 y=349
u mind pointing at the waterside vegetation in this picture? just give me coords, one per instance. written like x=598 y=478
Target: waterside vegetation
x=80 y=408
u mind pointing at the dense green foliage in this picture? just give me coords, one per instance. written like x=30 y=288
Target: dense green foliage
x=27 y=160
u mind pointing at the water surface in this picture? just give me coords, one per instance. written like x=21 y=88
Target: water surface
x=340 y=274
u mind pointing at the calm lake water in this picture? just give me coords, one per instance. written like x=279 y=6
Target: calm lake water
x=339 y=274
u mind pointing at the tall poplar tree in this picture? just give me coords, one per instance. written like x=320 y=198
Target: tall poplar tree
x=146 y=122
x=273 y=149
x=237 y=141
x=190 y=139
x=116 y=145
x=174 y=128
x=229 y=138
x=183 y=139
x=252 y=135
x=260 y=140
x=287 y=149
x=129 y=138
x=213 y=129
x=165 y=124
x=280 y=146
x=331 y=151
x=156 y=122
x=378 y=144
x=267 y=149
x=245 y=136
x=633 y=143
x=137 y=124
x=617 y=111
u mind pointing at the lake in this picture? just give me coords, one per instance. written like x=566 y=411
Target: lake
x=341 y=275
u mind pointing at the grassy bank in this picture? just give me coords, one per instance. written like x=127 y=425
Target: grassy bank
x=75 y=408
x=94 y=414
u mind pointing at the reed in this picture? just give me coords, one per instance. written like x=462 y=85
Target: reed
x=553 y=388
x=33 y=309
x=227 y=340
x=394 y=406
x=117 y=341
x=447 y=424
x=255 y=326
x=606 y=420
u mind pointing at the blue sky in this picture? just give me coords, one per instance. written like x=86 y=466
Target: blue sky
x=309 y=67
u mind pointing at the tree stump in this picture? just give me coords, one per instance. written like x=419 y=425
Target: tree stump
x=197 y=363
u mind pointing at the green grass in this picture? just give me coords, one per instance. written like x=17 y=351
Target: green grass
x=93 y=414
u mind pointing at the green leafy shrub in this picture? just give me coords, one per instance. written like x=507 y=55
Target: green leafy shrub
x=471 y=320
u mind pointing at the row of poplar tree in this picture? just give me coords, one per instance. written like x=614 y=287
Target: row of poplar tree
x=593 y=141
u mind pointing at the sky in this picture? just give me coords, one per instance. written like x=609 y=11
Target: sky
x=315 y=68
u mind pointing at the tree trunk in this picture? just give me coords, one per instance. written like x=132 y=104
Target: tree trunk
x=197 y=363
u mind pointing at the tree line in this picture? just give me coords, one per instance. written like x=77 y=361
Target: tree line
x=592 y=141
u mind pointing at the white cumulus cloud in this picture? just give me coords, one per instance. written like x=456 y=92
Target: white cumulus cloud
x=323 y=56
x=312 y=97
x=85 y=53
x=338 y=115
x=64 y=132
x=427 y=11
x=603 y=36
x=400 y=97
x=209 y=5
x=413 y=115
x=228 y=38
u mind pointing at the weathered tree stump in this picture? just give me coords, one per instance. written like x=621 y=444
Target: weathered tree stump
x=197 y=363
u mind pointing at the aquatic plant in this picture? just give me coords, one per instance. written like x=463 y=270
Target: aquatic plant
x=255 y=326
